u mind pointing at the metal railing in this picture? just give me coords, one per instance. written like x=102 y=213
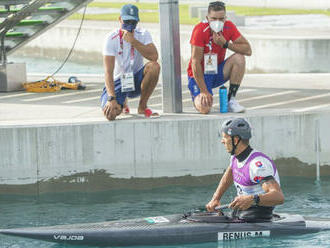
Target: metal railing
x=14 y=19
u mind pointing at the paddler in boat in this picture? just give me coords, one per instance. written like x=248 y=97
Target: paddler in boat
x=254 y=175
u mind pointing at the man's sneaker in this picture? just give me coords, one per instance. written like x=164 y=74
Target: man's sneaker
x=234 y=106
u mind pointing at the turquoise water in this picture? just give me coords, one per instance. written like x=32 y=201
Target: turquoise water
x=49 y=66
x=303 y=196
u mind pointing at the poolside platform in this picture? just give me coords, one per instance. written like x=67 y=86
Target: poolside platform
x=55 y=142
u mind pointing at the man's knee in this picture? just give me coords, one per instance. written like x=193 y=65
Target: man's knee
x=239 y=59
x=201 y=108
x=204 y=110
x=153 y=67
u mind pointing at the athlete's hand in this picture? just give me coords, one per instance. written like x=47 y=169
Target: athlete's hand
x=242 y=202
x=111 y=110
x=128 y=36
x=206 y=99
x=219 y=39
x=211 y=205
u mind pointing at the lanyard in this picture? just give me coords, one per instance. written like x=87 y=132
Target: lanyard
x=210 y=44
x=122 y=49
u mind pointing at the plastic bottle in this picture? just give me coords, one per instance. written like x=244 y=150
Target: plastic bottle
x=223 y=99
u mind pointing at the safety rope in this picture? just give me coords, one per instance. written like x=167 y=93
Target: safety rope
x=74 y=43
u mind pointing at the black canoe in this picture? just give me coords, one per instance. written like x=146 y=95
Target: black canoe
x=170 y=230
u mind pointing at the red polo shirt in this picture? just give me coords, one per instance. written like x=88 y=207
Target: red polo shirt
x=201 y=36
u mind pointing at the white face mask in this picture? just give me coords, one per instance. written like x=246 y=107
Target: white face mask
x=216 y=26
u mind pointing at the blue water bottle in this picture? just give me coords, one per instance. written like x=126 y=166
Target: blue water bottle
x=223 y=99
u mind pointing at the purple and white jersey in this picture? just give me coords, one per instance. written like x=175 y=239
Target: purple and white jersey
x=248 y=173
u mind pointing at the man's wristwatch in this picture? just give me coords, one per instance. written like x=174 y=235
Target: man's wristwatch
x=226 y=44
x=256 y=200
x=110 y=98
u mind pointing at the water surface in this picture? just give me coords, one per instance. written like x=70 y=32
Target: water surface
x=303 y=196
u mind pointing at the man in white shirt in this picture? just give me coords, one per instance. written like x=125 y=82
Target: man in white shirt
x=125 y=73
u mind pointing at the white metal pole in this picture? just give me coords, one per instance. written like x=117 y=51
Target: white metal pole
x=171 y=57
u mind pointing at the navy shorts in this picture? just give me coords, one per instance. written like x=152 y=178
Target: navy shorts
x=121 y=96
x=211 y=80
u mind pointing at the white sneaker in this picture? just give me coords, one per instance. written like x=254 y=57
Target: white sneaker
x=234 y=106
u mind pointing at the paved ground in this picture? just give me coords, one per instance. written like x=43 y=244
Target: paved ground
x=260 y=94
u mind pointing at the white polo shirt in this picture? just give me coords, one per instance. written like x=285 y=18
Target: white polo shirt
x=122 y=61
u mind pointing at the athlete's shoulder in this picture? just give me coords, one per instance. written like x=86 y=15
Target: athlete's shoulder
x=260 y=160
x=260 y=167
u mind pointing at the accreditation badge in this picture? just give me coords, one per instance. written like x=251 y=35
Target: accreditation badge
x=127 y=82
x=211 y=63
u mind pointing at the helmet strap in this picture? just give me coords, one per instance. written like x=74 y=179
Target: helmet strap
x=233 y=145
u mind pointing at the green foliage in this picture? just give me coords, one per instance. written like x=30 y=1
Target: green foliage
x=118 y=5
x=253 y=11
x=149 y=12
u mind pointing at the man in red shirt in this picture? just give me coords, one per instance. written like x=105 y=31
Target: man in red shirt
x=208 y=68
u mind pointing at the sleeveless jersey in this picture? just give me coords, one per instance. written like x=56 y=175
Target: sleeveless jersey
x=248 y=174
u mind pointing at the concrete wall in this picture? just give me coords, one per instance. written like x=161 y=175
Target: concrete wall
x=35 y=156
x=288 y=54
x=271 y=53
